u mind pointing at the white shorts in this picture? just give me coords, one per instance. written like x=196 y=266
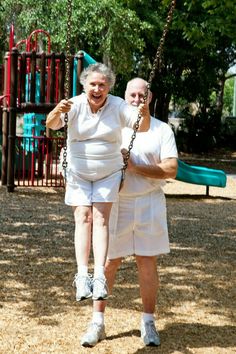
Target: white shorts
x=138 y=226
x=82 y=192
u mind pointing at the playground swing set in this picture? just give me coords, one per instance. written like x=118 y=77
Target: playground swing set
x=34 y=82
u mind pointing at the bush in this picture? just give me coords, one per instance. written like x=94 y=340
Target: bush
x=199 y=133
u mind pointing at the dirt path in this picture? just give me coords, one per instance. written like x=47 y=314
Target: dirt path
x=196 y=305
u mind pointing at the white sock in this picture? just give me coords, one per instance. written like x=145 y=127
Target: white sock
x=98 y=317
x=99 y=271
x=146 y=317
x=82 y=270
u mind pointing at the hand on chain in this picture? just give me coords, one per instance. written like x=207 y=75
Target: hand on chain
x=64 y=106
x=130 y=164
x=143 y=110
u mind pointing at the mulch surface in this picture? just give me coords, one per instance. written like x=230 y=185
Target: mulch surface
x=196 y=303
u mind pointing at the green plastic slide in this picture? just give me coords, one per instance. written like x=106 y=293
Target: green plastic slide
x=200 y=175
x=87 y=60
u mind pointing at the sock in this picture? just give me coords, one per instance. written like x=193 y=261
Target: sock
x=99 y=271
x=98 y=317
x=82 y=270
x=146 y=317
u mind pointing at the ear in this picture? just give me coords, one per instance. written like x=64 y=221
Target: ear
x=149 y=96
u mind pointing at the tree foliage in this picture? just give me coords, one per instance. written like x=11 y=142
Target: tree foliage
x=199 y=50
x=229 y=97
x=106 y=29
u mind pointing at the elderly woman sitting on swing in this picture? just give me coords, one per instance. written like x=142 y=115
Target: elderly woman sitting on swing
x=95 y=121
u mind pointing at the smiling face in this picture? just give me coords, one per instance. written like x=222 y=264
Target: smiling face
x=96 y=89
x=135 y=92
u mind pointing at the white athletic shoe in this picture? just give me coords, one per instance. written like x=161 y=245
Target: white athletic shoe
x=95 y=333
x=100 y=289
x=83 y=286
x=149 y=334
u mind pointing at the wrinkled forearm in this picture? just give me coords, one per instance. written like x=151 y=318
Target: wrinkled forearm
x=54 y=119
x=144 y=124
x=165 y=169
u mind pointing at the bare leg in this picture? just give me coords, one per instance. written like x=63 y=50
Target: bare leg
x=110 y=271
x=96 y=329
x=101 y=213
x=83 y=220
x=148 y=282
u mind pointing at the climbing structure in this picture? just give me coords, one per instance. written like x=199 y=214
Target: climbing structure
x=34 y=82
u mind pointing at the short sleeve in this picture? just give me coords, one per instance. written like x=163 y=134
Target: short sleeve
x=129 y=115
x=168 y=143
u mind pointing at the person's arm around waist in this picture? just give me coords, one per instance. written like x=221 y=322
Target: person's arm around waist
x=167 y=168
x=54 y=118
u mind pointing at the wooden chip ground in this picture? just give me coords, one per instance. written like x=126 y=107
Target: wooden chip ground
x=196 y=303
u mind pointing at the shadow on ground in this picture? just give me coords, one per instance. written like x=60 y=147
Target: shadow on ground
x=38 y=265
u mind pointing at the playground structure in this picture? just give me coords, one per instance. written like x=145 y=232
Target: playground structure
x=34 y=82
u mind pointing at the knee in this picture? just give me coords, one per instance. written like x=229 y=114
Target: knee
x=99 y=220
x=82 y=215
x=101 y=214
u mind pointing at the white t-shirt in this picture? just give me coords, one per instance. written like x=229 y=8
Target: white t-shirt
x=149 y=148
x=94 y=140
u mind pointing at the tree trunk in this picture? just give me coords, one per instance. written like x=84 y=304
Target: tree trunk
x=159 y=106
x=220 y=96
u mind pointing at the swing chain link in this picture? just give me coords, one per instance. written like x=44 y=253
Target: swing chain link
x=67 y=79
x=157 y=63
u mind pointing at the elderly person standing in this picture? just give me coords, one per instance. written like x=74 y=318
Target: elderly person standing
x=95 y=122
x=138 y=222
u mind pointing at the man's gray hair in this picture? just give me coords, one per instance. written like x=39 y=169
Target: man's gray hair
x=101 y=69
x=144 y=84
x=136 y=79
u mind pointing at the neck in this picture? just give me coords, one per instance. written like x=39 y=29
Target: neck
x=95 y=109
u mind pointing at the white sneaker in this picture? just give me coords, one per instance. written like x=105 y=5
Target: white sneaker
x=83 y=286
x=149 y=334
x=100 y=289
x=94 y=334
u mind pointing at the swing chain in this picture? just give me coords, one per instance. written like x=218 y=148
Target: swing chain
x=67 y=79
x=157 y=63
x=156 y=66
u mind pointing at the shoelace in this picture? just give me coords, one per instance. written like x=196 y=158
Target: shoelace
x=94 y=326
x=82 y=276
x=94 y=329
x=100 y=279
x=150 y=329
x=101 y=282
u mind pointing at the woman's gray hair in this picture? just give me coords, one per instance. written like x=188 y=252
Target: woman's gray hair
x=101 y=69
